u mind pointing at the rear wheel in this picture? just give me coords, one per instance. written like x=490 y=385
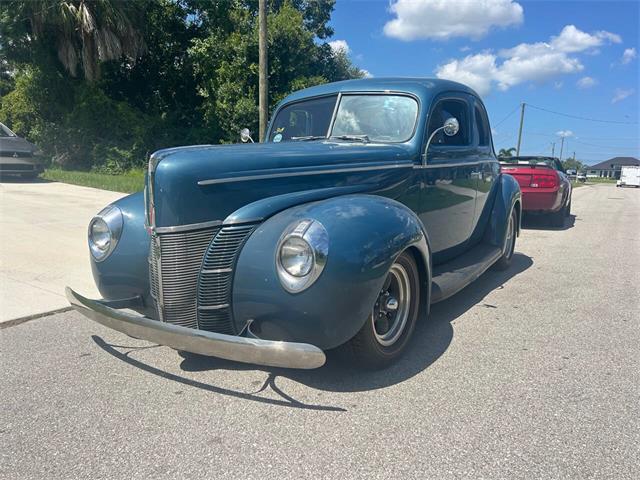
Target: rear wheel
x=386 y=333
x=567 y=211
x=504 y=261
x=556 y=219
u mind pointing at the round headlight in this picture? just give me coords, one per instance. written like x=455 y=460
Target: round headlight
x=296 y=256
x=99 y=236
x=104 y=232
x=301 y=254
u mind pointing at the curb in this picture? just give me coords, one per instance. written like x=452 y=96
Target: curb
x=35 y=316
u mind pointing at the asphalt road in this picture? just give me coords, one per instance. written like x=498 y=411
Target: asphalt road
x=530 y=373
x=43 y=244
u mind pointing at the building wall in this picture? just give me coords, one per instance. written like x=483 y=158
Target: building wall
x=609 y=173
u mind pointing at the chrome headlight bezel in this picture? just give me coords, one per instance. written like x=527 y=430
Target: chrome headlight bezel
x=111 y=216
x=316 y=237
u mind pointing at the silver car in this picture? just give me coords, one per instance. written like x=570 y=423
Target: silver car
x=18 y=156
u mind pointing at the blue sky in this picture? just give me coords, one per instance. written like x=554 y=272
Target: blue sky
x=573 y=57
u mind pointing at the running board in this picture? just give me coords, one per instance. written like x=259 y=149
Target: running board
x=451 y=277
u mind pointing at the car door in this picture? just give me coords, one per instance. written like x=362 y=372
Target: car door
x=488 y=168
x=448 y=178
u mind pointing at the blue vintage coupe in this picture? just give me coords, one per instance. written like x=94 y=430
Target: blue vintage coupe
x=369 y=201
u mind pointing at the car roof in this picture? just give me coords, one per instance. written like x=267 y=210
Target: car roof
x=424 y=88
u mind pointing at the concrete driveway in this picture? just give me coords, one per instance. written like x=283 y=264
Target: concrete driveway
x=529 y=373
x=43 y=247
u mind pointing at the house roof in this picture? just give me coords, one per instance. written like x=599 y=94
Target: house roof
x=614 y=162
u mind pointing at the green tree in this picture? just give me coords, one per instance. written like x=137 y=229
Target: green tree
x=81 y=33
x=226 y=61
x=74 y=79
x=571 y=164
x=507 y=152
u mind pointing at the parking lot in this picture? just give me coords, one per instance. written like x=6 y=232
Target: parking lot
x=533 y=372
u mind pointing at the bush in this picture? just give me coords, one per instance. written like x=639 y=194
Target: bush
x=83 y=129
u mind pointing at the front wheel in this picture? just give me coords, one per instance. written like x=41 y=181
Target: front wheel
x=386 y=333
x=504 y=261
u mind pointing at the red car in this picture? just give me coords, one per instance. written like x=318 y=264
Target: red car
x=545 y=187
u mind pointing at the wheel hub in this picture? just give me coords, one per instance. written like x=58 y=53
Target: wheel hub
x=391 y=310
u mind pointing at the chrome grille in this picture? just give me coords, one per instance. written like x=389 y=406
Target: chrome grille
x=174 y=278
x=214 y=287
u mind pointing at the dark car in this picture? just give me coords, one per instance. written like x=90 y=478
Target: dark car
x=369 y=201
x=546 y=188
x=18 y=156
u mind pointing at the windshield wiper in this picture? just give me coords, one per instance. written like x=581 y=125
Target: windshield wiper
x=357 y=138
x=307 y=138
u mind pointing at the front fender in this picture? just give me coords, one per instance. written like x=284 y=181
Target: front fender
x=366 y=233
x=505 y=200
x=125 y=273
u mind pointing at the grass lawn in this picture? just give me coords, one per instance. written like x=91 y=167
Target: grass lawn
x=132 y=181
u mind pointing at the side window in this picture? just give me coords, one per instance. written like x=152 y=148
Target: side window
x=443 y=110
x=483 y=126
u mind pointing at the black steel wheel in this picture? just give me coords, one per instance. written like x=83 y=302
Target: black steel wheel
x=386 y=333
x=504 y=261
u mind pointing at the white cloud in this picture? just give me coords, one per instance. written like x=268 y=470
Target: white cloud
x=340 y=46
x=367 y=73
x=620 y=94
x=628 y=55
x=526 y=62
x=587 y=82
x=573 y=40
x=440 y=19
x=564 y=133
x=476 y=71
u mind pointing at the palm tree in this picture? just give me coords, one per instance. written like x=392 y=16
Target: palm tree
x=506 y=152
x=85 y=32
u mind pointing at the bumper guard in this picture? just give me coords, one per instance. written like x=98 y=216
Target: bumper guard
x=229 y=347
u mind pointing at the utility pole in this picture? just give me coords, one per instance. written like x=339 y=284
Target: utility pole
x=263 y=85
x=520 y=131
x=561 y=147
x=553 y=149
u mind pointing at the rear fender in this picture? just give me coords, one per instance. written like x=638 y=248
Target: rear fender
x=366 y=233
x=508 y=197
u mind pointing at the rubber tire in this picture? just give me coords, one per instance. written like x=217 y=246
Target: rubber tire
x=504 y=262
x=366 y=350
x=556 y=219
x=567 y=211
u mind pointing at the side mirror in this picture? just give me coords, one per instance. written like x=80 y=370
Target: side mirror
x=245 y=135
x=451 y=127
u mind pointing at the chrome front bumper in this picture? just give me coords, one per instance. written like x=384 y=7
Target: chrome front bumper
x=229 y=347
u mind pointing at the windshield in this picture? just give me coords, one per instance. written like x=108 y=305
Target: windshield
x=376 y=118
x=548 y=161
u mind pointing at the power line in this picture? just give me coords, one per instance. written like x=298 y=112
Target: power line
x=505 y=118
x=607 y=146
x=581 y=118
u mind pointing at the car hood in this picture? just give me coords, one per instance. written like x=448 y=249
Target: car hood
x=206 y=183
